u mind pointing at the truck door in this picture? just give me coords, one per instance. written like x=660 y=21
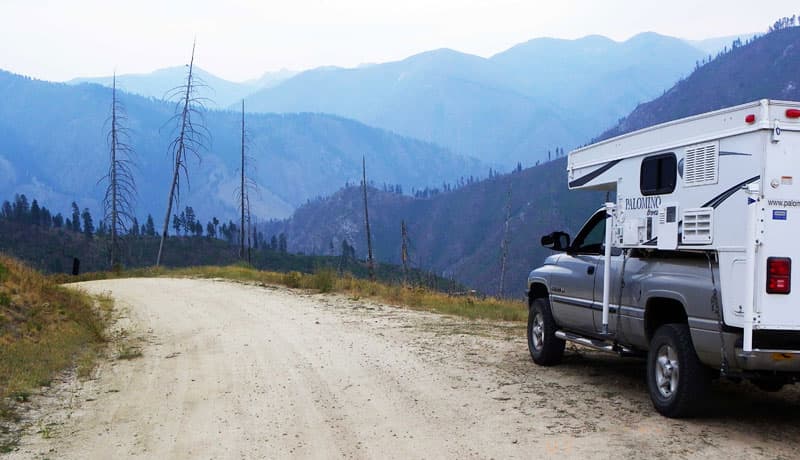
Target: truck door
x=572 y=286
x=618 y=295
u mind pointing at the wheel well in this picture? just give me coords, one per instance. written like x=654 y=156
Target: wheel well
x=537 y=291
x=660 y=311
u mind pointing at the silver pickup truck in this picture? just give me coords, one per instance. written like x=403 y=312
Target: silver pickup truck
x=665 y=308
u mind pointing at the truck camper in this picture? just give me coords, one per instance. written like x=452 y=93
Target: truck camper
x=691 y=263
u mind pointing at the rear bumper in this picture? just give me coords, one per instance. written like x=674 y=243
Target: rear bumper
x=775 y=351
x=769 y=360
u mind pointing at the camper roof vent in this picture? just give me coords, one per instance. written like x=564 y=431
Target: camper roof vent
x=701 y=165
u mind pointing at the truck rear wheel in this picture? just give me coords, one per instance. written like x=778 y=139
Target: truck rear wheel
x=546 y=349
x=676 y=379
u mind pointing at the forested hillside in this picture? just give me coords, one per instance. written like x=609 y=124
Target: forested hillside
x=52 y=241
x=53 y=146
x=768 y=67
x=455 y=233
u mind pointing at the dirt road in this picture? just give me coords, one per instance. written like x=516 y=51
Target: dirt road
x=235 y=371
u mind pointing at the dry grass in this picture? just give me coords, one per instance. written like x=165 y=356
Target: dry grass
x=44 y=329
x=327 y=280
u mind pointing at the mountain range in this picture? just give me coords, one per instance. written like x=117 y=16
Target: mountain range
x=217 y=92
x=459 y=233
x=53 y=147
x=512 y=107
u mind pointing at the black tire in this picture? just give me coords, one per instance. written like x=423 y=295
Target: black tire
x=676 y=379
x=546 y=349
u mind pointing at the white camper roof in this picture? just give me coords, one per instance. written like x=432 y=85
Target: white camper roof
x=687 y=131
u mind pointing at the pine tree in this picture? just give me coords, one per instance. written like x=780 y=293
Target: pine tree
x=7 y=211
x=88 y=226
x=21 y=209
x=45 y=219
x=76 y=218
x=176 y=224
x=36 y=213
x=189 y=219
x=150 y=228
x=282 y=244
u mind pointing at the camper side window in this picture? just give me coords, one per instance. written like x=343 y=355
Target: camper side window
x=658 y=174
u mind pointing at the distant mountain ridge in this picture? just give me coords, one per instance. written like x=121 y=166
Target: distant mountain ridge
x=219 y=93
x=459 y=233
x=766 y=68
x=53 y=147
x=512 y=107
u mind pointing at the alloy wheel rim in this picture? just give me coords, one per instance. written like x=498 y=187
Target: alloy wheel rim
x=667 y=371
x=538 y=331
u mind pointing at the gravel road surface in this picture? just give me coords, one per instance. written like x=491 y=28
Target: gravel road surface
x=230 y=370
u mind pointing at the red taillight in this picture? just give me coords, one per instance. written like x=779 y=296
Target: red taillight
x=750 y=119
x=779 y=275
x=792 y=113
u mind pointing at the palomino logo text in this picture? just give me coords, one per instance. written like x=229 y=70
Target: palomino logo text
x=647 y=202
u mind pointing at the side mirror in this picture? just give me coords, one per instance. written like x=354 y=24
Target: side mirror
x=557 y=241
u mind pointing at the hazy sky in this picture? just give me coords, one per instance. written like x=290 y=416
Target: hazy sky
x=241 y=39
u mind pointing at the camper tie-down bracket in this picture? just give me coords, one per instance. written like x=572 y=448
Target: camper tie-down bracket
x=753 y=241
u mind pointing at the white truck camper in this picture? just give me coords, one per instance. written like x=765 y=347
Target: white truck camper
x=691 y=265
x=736 y=193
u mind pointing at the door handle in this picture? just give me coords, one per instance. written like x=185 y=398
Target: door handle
x=590 y=270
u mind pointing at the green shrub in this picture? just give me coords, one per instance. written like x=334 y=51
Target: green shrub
x=324 y=280
x=292 y=279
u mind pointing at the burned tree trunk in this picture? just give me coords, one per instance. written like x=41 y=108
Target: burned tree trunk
x=246 y=185
x=504 y=245
x=370 y=262
x=191 y=138
x=121 y=188
x=243 y=194
x=404 y=250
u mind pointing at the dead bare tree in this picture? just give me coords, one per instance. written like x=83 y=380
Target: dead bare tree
x=118 y=202
x=404 y=250
x=370 y=262
x=191 y=138
x=246 y=186
x=504 y=244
